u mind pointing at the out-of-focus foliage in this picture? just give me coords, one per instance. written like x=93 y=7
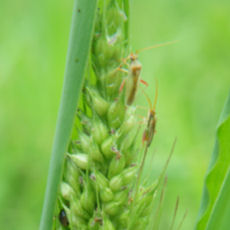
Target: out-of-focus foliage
x=214 y=211
x=193 y=78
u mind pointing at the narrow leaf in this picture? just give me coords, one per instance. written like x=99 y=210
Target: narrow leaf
x=215 y=207
x=79 y=44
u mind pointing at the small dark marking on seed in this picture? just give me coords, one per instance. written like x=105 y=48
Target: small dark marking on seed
x=81 y=179
x=76 y=60
x=98 y=220
x=112 y=131
x=93 y=177
x=77 y=142
x=123 y=188
x=79 y=10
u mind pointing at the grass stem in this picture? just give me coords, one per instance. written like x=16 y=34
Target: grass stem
x=84 y=12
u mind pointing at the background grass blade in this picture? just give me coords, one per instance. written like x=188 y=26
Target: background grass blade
x=220 y=216
x=215 y=206
x=79 y=44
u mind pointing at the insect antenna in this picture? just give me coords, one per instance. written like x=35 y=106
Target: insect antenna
x=156 y=46
x=156 y=95
x=152 y=106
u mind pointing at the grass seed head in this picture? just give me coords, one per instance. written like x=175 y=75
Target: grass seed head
x=100 y=170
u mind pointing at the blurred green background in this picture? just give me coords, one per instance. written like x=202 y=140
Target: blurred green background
x=193 y=76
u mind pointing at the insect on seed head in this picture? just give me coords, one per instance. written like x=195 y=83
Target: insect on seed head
x=135 y=68
x=63 y=218
x=151 y=124
x=133 y=57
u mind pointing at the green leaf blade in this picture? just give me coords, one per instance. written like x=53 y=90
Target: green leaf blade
x=79 y=44
x=215 y=201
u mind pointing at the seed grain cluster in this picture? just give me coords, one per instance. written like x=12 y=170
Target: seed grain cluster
x=100 y=173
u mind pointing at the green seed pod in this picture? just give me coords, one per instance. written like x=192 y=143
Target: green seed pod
x=116 y=166
x=115 y=19
x=72 y=175
x=95 y=153
x=151 y=189
x=80 y=159
x=90 y=147
x=128 y=141
x=100 y=48
x=94 y=223
x=106 y=194
x=108 y=50
x=84 y=142
x=113 y=81
x=88 y=199
x=139 y=195
x=145 y=192
x=128 y=175
x=124 y=218
x=116 y=183
x=66 y=191
x=78 y=222
x=139 y=223
x=107 y=224
x=112 y=208
x=122 y=197
x=145 y=200
x=116 y=114
x=147 y=206
x=142 y=211
x=99 y=104
x=76 y=209
x=113 y=50
x=130 y=155
x=130 y=121
x=99 y=131
x=107 y=147
x=85 y=122
x=100 y=180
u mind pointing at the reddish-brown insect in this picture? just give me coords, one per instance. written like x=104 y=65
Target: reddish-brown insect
x=151 y=121
x=133 y=79
x=134 y=71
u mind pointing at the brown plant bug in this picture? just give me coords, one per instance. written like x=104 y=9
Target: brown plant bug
x=147 y=135
x=151 y=120
x=132 y=81
x=134 y=70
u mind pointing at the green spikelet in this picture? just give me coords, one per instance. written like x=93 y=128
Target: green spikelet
x=100 y=170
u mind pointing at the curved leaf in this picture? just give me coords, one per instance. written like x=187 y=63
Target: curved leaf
x=215 y=206
x=80 y=39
